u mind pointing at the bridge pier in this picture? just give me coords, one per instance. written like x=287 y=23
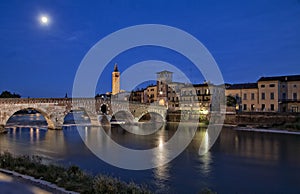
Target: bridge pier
x=93 y=118
x=2 y=129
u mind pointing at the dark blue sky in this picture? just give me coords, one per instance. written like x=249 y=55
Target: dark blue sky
x=248 y=39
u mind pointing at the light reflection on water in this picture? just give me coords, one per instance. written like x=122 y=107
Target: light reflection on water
x=258 y=162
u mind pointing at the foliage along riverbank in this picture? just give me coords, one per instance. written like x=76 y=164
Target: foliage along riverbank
x=71 y=178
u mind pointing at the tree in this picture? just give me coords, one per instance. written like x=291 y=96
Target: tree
x=7 y=94
x=230 y=101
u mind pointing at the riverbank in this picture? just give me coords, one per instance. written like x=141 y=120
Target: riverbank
x=12 y=182
x=71 y=178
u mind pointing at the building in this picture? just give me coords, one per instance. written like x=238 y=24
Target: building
x=115 y=80
x=174 y=89
x=246 y=96
x=136 y=96
x=269 y=94
x=163 y=79
x=151 y=94
x=196 y=97
x=280 y=93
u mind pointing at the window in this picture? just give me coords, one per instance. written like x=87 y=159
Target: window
x=262 y=86
x=252 y=107
x=272 y=95
x=294 y=96
x=206 y=91
x=272 y=85
x=263 y=96
x=283 y=96
x=245 y=96
x=245 y=107
x=272 y=107
x=252 y=96
x=263 y=106
x=294 y=109
x=295 y=86
x=283 y=86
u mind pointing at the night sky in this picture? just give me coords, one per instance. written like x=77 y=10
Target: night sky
x=248 y=39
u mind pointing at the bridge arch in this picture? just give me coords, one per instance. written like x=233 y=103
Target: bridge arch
x=152 y=116
x=84 y=120
x=50 y=122
x=104 y=108
x=122 y=115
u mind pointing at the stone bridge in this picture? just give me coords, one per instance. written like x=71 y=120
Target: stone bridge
x=54 y=110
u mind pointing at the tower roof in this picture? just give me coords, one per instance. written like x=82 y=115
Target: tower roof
x=116 y=68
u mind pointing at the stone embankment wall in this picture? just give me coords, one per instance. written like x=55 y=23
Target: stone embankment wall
x=266 y=119
x=256 y=119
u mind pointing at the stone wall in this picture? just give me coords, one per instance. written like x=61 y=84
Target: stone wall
x=256 y=119
x=266 y=119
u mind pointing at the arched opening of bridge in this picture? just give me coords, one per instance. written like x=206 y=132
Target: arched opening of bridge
x=121 y=117
x=29 y=117
x=76 y=117
x=152 y=117
x=103 y=109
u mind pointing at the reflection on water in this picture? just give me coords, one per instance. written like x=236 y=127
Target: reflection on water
x=27 y=120
x=240 y=161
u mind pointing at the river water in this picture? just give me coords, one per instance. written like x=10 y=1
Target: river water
x=239 y=161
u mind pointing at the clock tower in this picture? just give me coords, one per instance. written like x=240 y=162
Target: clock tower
x=115 y=80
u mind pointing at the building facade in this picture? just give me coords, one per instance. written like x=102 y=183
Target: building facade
x=151 y=94
x=269 y=94
x=280 y=93
x=196 y=97
x=246 y=96
x=174 y=89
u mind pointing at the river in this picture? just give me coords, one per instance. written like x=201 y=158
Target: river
x=239 y=161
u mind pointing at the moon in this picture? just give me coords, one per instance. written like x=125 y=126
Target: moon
x=44 y=20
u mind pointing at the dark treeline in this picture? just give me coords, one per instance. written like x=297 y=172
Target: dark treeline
x=7 y=94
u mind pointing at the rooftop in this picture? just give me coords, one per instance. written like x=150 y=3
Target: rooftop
x=281 y=78
x=242 y=86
